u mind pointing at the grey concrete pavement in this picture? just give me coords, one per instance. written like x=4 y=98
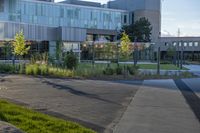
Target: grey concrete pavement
x=194 y=85
x=95 y=104
x=158 y=107
x=152 y=106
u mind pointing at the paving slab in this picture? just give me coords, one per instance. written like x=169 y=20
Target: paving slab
x=95 y=104
x=158 y=107
x=194 y=84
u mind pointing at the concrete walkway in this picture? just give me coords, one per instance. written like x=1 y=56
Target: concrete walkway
x=150 y=106
x=94 y=104
x=158 y=107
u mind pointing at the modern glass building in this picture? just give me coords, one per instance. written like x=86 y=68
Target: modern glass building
x=56 y=14
x=45 y=23
x=49 y=22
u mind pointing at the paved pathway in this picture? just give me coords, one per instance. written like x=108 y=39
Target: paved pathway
x=96 y=104
x=152 y=106
x=160 y=107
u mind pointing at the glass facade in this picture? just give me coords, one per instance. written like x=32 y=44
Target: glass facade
x=54 y=15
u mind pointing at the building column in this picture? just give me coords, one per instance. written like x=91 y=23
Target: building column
x=52 y=49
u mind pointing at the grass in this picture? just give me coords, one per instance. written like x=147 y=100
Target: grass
x=34 y=122
x=99 y=67
x=162 y=67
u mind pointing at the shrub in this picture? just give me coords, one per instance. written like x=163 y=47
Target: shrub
x=29 y=70
x=70 y=61
x=32 y=69
x=186 y=75
x=43 y=70
x=36 y=69
x=7 y=68
x=59 y=72
x=119 y=70
x=132 y=70
x=108 y=71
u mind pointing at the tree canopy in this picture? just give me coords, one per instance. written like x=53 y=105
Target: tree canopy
x=19 y=45
x=139 y=31
x=125 y=49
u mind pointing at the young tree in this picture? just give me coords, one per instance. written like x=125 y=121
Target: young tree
x=171 y=53
x=7 y=50
x=125 y=49
x=141 y=30
x=19 y=46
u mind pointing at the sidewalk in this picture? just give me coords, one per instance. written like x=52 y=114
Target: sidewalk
x=158 y=107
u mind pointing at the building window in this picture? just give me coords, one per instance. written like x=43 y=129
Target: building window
x=133 y=18
x=180 y=44
x=190 y=44
x=125 y=19
x=1 y=6
x=166 y=44
x=174 y=43
x=185 y=44
x=196 y=44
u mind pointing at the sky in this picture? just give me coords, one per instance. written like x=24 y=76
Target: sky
x=177 y=14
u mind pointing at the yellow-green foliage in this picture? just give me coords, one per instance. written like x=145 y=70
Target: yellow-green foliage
x=125 y=45
x=19 y=45
x=36 y=69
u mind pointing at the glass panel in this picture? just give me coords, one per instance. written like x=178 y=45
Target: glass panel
x=54 y=15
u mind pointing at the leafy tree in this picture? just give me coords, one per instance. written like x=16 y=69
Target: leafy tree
x=140 y=31
x=19 y=46
x=125 y=49
x=171 y=52
x=7 y=50
x=70 y=60
x=108 y=50
x=59 y=46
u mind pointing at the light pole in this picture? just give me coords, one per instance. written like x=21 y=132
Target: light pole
x=158 y=61
x=182 y=54
x=135 y=52
x=93 y=54
x=178 y=55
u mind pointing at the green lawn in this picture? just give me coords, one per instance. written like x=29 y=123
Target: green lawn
x=162 y=66
x=34 y=122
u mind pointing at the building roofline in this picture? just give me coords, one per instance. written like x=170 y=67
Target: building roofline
x=73 y=5
x=184 y=37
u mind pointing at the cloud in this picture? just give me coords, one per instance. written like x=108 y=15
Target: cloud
x=166 y=33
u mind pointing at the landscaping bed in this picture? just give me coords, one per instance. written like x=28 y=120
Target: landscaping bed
x=34 y=122
x=97 y=71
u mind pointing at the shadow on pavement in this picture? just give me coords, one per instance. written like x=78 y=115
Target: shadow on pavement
x=192 y=99
x=79 y=93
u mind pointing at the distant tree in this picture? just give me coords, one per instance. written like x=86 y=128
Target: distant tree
x=140 y=31
x=7 y=50
x=171 y=52
x=125 y=46
x=19 y=46
x=70 y=60
x=59 y=52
